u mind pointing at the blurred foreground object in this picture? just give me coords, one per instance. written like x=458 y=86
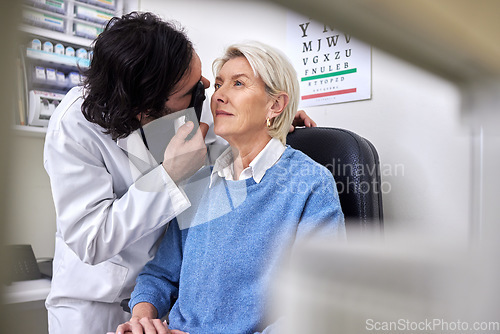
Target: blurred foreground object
x=458 y=40
x=399 y=285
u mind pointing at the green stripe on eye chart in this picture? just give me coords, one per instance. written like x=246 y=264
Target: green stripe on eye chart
x=327 y=75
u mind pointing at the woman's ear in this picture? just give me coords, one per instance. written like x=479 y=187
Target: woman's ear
x=279 y=104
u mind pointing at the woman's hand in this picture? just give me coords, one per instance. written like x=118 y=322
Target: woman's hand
x=146 y=325
x=302 y=119
x=144 y=321
x=143 y=325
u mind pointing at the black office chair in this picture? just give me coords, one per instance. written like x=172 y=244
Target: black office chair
x=354 y=163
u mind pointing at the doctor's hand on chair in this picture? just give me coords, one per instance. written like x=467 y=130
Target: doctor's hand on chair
x=184 y=157
x=302 y=119
x=145 y=325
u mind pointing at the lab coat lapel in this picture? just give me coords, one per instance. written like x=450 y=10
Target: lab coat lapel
x=141 y=160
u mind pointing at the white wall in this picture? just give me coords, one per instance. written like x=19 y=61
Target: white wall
x=413 y=119
x=30 y=210
x=31 y=219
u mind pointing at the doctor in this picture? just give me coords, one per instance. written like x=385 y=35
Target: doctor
x=112 y=199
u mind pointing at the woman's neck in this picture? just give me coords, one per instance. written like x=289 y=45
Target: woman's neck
x=244 y=153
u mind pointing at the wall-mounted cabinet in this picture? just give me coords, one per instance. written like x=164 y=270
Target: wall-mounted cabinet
x=54 y=47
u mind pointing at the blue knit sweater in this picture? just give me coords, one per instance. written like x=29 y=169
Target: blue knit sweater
x=213 y=268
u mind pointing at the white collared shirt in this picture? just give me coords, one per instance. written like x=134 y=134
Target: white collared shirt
x=224 y=165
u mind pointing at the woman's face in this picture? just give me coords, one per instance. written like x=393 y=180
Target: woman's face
x=240 y=104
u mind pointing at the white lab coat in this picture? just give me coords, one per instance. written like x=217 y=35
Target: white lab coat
x=111 y=210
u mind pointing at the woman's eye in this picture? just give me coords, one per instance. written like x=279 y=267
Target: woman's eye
x=216 y=86
x=238 y=83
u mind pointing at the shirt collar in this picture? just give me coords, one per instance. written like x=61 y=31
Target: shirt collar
x=224 y=165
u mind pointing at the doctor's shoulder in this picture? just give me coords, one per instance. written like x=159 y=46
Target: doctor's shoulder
x=70 y=119
x=68 y=110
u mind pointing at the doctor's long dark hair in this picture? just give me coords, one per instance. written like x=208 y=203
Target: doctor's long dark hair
x=137 y=61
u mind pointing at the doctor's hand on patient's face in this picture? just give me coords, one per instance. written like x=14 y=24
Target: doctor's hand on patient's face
x=183 y=157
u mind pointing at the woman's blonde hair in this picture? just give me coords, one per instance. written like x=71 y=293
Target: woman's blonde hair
x=278 y=74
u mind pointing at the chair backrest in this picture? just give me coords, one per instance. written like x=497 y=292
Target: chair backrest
x=354 y=163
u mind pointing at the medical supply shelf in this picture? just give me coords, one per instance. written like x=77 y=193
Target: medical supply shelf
x=54 y=35
x=48 y=69
x=73 y=17
x=49 y=57
x=72 y=24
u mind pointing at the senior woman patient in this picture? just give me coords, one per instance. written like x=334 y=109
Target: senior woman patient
x=213 y=269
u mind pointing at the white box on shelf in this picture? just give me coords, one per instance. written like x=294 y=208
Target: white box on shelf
x=43 y=20
x=41 y=106
x=86 y=30
x=56 y=6
x=91 y=14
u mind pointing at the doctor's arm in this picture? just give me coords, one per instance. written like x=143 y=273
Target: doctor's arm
x=92 y=219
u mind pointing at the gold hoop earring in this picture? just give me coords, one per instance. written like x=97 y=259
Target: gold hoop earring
x=268 y=122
